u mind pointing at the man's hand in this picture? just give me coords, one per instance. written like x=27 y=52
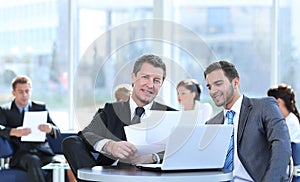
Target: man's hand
x=20 y=131
x=121 y=150
x=47 y=127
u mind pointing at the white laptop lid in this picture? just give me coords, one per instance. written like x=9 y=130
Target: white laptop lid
x=162 y=123
x=195 y=147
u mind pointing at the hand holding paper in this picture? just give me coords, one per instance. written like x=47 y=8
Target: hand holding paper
x=46 y=127
x=20 y=131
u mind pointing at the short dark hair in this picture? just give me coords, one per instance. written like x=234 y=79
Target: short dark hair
x=228 y=68
x=152 y=59
x=22 y=79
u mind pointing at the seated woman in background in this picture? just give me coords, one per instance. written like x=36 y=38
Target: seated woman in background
x=287 y=104
x=188 y=95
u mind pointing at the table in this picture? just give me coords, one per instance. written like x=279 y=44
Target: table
x=58 y=170
x=133 y=174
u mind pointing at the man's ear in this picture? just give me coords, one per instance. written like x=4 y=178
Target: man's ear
x=236 y=82
x=133 y=78
x=13 y=93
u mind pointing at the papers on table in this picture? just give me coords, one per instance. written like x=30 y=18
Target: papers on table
x=151 y=135
x=32 y=120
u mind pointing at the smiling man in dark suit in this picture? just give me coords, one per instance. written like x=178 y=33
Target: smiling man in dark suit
x=30 y=156
x=261 y=145
x=105 y=134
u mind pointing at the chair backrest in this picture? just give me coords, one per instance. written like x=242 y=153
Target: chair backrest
x=296 y=152
x=296 y=160
x=55 y=143
x=5 y=148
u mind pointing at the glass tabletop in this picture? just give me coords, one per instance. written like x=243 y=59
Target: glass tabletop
x=56 y=165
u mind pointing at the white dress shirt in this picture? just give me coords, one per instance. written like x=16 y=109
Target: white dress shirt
x=239 y=172
x=293 y=126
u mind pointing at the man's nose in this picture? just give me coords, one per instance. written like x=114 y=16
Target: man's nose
x=213 y=90
x=150 y=82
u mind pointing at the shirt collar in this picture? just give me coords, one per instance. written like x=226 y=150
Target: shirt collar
x=26 y=108
x=236 y=106
x=133 y=105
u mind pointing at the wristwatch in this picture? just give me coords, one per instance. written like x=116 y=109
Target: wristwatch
x=155 y=158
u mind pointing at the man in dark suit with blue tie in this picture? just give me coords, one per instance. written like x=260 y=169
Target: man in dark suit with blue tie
x=105 y=134
x=261 y=143
x=30 y=156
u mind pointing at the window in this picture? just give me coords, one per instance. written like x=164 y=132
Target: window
x=76 y=52
x=33 y=47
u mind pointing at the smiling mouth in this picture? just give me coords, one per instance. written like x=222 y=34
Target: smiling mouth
x=217 y=96
x=147 y=92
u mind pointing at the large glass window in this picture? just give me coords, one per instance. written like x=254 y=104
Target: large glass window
x=289 y=45
x=33 y=44
x=76 y=52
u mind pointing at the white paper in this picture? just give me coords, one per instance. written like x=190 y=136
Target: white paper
x=138 y=138
x=149 y=149
x=32 y=120
x=151 y=135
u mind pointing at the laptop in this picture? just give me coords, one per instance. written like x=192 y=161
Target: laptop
x=195 y=147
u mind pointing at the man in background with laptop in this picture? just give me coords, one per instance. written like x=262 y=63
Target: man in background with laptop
x=261 y=145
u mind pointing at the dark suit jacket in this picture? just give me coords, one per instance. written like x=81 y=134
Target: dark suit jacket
x=263 y=142
x=10 y=117
x=110 y=122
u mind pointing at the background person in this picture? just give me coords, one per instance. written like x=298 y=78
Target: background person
x=122 y=92
x=30 y=156
x=261 y=145
x=105 y=134
x=188 y=95
x=286 y=99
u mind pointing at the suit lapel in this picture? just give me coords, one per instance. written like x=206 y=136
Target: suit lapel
x=127 y=113
x=14 y=109
x=218 y=119
x=122 y=111
x=246 y=108
x=157 y=106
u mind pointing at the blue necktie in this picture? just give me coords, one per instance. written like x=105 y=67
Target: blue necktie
x=229 y=157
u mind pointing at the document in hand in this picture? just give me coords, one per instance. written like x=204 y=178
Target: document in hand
x=32 y=120
x=151 y=135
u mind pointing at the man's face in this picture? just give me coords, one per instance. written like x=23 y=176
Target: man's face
x=146 y=83
x=222 y=91
x=22 y=94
